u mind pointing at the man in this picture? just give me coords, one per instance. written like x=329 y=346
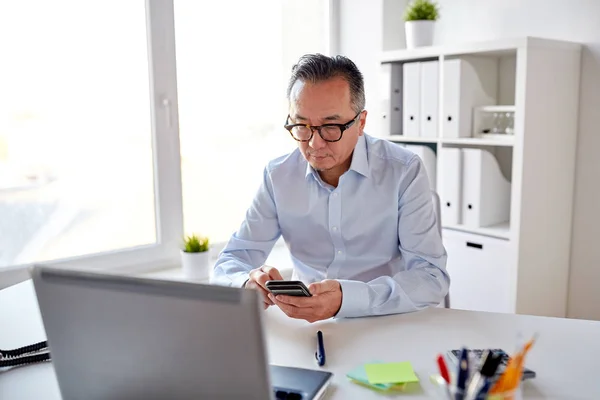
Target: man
x=356 y=212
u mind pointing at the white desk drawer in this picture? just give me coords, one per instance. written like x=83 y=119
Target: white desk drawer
x=479 y=272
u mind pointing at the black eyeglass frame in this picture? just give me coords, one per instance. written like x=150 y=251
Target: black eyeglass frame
x=343 y=127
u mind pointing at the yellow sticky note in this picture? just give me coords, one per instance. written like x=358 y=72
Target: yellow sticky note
x=358 y=375
x=397 y=372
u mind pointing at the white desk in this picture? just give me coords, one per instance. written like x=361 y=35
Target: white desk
x=566 y=356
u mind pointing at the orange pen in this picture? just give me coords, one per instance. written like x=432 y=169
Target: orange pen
x=514 y=369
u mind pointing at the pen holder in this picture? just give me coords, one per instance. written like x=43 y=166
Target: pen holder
x=457 y=394
x=453 y=393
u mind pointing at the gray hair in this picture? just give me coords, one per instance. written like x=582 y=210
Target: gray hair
x=315 y=68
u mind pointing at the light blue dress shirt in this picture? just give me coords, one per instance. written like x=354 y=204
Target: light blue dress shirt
x=375 y=232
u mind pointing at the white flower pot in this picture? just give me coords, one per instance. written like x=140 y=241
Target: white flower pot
x=196 y=266
x=419 y=33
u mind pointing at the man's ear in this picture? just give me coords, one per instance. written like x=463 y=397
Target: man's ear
x=362 y=122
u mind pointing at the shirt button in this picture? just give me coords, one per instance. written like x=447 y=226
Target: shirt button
x=334 y=228
x=339 y=252
x=335 y=194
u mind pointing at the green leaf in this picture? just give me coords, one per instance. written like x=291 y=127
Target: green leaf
x=195 y=244
x=419 y=10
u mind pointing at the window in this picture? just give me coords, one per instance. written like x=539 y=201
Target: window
x=77 y=167
x=233 y=64
x=92 y=124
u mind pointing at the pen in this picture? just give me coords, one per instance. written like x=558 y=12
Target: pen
x=320 y=354
x=480 y=382
x=443 y=368
x=463 y=374
x=511 y=377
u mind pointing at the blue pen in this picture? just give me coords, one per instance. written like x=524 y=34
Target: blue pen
x=484 y=389
x=320 y=354
x=463 y=374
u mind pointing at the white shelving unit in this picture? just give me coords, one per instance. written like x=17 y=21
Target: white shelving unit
x=505 y=142
x=520 y=264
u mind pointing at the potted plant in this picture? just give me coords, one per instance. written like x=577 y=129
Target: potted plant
x=195 y=257
x=420 y=17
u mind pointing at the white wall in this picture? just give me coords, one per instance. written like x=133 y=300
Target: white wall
x=360 y=40
x=470 y=20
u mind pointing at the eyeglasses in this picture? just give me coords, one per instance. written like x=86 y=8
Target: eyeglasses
x=328 y=132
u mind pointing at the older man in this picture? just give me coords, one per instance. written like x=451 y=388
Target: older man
x=355 y=212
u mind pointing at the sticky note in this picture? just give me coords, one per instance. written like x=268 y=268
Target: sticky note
x=359 y=375
x=397 y=372
x=381 y=388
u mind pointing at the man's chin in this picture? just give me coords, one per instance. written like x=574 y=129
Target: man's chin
x=320 y=165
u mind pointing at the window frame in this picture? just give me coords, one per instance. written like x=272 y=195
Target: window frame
x=166 y=165
x=165 y=252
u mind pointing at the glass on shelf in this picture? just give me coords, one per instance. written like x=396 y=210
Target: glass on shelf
x=509 y=128
x=494 y=120
x=495 y=124
x=499 y=123
x=487 y=122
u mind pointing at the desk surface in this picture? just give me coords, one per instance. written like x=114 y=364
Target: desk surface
x=566 y=356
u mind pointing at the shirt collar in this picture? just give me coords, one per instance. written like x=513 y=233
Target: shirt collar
x=360 y=162
x=309 y=170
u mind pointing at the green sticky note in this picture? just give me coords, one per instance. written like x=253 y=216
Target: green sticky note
x=397 y=372
x=360 y=375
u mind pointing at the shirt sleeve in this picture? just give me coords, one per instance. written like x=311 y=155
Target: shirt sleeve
x=424 y=282
x=250 y=246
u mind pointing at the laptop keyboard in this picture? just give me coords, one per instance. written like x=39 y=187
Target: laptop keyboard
x=285 y=395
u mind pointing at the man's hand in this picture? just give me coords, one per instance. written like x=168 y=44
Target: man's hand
x=258 y=278
x=325 y=302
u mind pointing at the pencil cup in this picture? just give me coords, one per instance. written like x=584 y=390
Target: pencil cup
x=454 y=393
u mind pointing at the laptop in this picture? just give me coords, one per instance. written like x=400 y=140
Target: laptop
x=122 y=337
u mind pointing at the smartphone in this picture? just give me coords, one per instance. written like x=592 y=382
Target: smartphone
x=289 y=288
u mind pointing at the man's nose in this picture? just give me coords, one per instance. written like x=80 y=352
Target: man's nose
x=316 y=142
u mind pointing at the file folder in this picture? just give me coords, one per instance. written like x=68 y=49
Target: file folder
x=486 y=192
x=429 y=98
x=391 y=90
x=450 y=180
x=428 y=157
x=467 y=82
x=411 y=98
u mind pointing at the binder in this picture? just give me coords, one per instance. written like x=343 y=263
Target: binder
x=429 y=98
x=450 y=182
x=428 y=157
x=467 y=82
x=411 y=98
x=486 y=192
x=391 y=90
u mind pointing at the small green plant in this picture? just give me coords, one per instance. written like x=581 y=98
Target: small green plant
x=195 y=244
x=419 y=10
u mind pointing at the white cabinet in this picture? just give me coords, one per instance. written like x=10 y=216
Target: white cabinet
x=506 y=203
x=479 y=269
x=429 y=99
x=468 y=82
x=411 y=99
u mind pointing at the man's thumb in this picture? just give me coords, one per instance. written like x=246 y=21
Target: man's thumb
x=318 y=288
